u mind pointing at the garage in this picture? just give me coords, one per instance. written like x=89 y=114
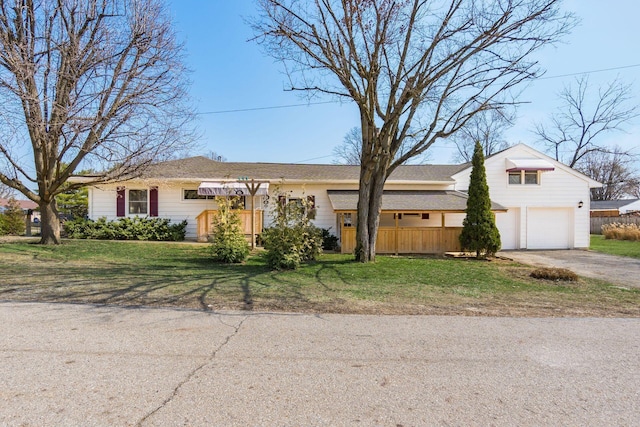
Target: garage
x=549 y=228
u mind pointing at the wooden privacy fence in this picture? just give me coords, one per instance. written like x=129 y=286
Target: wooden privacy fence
x=408 y=240
x=598 y=222
x=205 y=219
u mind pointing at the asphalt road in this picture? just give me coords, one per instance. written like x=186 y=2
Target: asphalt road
x=78 y=365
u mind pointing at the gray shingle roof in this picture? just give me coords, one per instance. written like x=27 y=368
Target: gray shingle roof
x=399 y=200
x=610 y=204
x=207 y=169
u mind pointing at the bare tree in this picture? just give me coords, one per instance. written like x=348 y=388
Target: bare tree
x=575 y=130
x=614 y=169
x=97 y=82
x=214 y=155
x=350 y=151
x=487 y=128
x=5 y=191
x=635 y=191
x=417 y=70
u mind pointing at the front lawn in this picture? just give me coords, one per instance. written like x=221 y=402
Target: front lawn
x=615 y=247
x=181 y=275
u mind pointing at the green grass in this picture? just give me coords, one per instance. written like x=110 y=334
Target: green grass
x=182 y=275
x=615 y=247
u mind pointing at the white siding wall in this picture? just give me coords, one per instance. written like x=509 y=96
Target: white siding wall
x=557 y=189
x=170 y=203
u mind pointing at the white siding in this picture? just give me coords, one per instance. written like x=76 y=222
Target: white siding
x=509 y=225
x=170 y=203
x=559 y=188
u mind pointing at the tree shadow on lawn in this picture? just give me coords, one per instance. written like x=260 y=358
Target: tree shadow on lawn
x=195 y=283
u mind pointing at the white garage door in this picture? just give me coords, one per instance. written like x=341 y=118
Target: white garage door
x=507 y=223
x=549 y=228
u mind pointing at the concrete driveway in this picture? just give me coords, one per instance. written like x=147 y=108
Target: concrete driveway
x=78 y=365
x=622 y=271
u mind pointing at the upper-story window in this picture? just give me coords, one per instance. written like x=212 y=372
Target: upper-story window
x=515 y=178
x=524 y=177
x=531 y=177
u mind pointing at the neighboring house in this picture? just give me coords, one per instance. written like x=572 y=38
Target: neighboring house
x=25 y=205
x=614 y=208
x=539 y=203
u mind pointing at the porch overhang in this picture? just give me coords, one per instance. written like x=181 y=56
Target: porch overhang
x=407 y=201
x=209 y=188
x=528 y=164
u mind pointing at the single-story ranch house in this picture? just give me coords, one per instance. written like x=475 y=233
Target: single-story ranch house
x=538 y=202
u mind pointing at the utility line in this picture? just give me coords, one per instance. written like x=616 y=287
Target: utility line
x=589 y=72
x=275 y=107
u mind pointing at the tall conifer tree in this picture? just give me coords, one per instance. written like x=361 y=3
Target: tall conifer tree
x=479 y=232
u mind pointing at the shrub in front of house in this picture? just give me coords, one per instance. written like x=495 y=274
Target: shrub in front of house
x=292 y=238
x=479 y=231
x=619 y=231
x=136 y=228
x=329 y=241
x=228 y=243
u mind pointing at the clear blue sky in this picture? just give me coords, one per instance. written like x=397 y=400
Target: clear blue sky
x=231 y=73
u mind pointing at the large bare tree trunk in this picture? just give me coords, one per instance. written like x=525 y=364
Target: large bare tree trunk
x=372 y=179
x=50 y=223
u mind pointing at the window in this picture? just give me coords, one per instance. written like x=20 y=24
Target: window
x=347 y=220
x=138 y=202
x=515 y=178
x=524 y=177
x=239 y=203
x=531 y=177
x=193 y=195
